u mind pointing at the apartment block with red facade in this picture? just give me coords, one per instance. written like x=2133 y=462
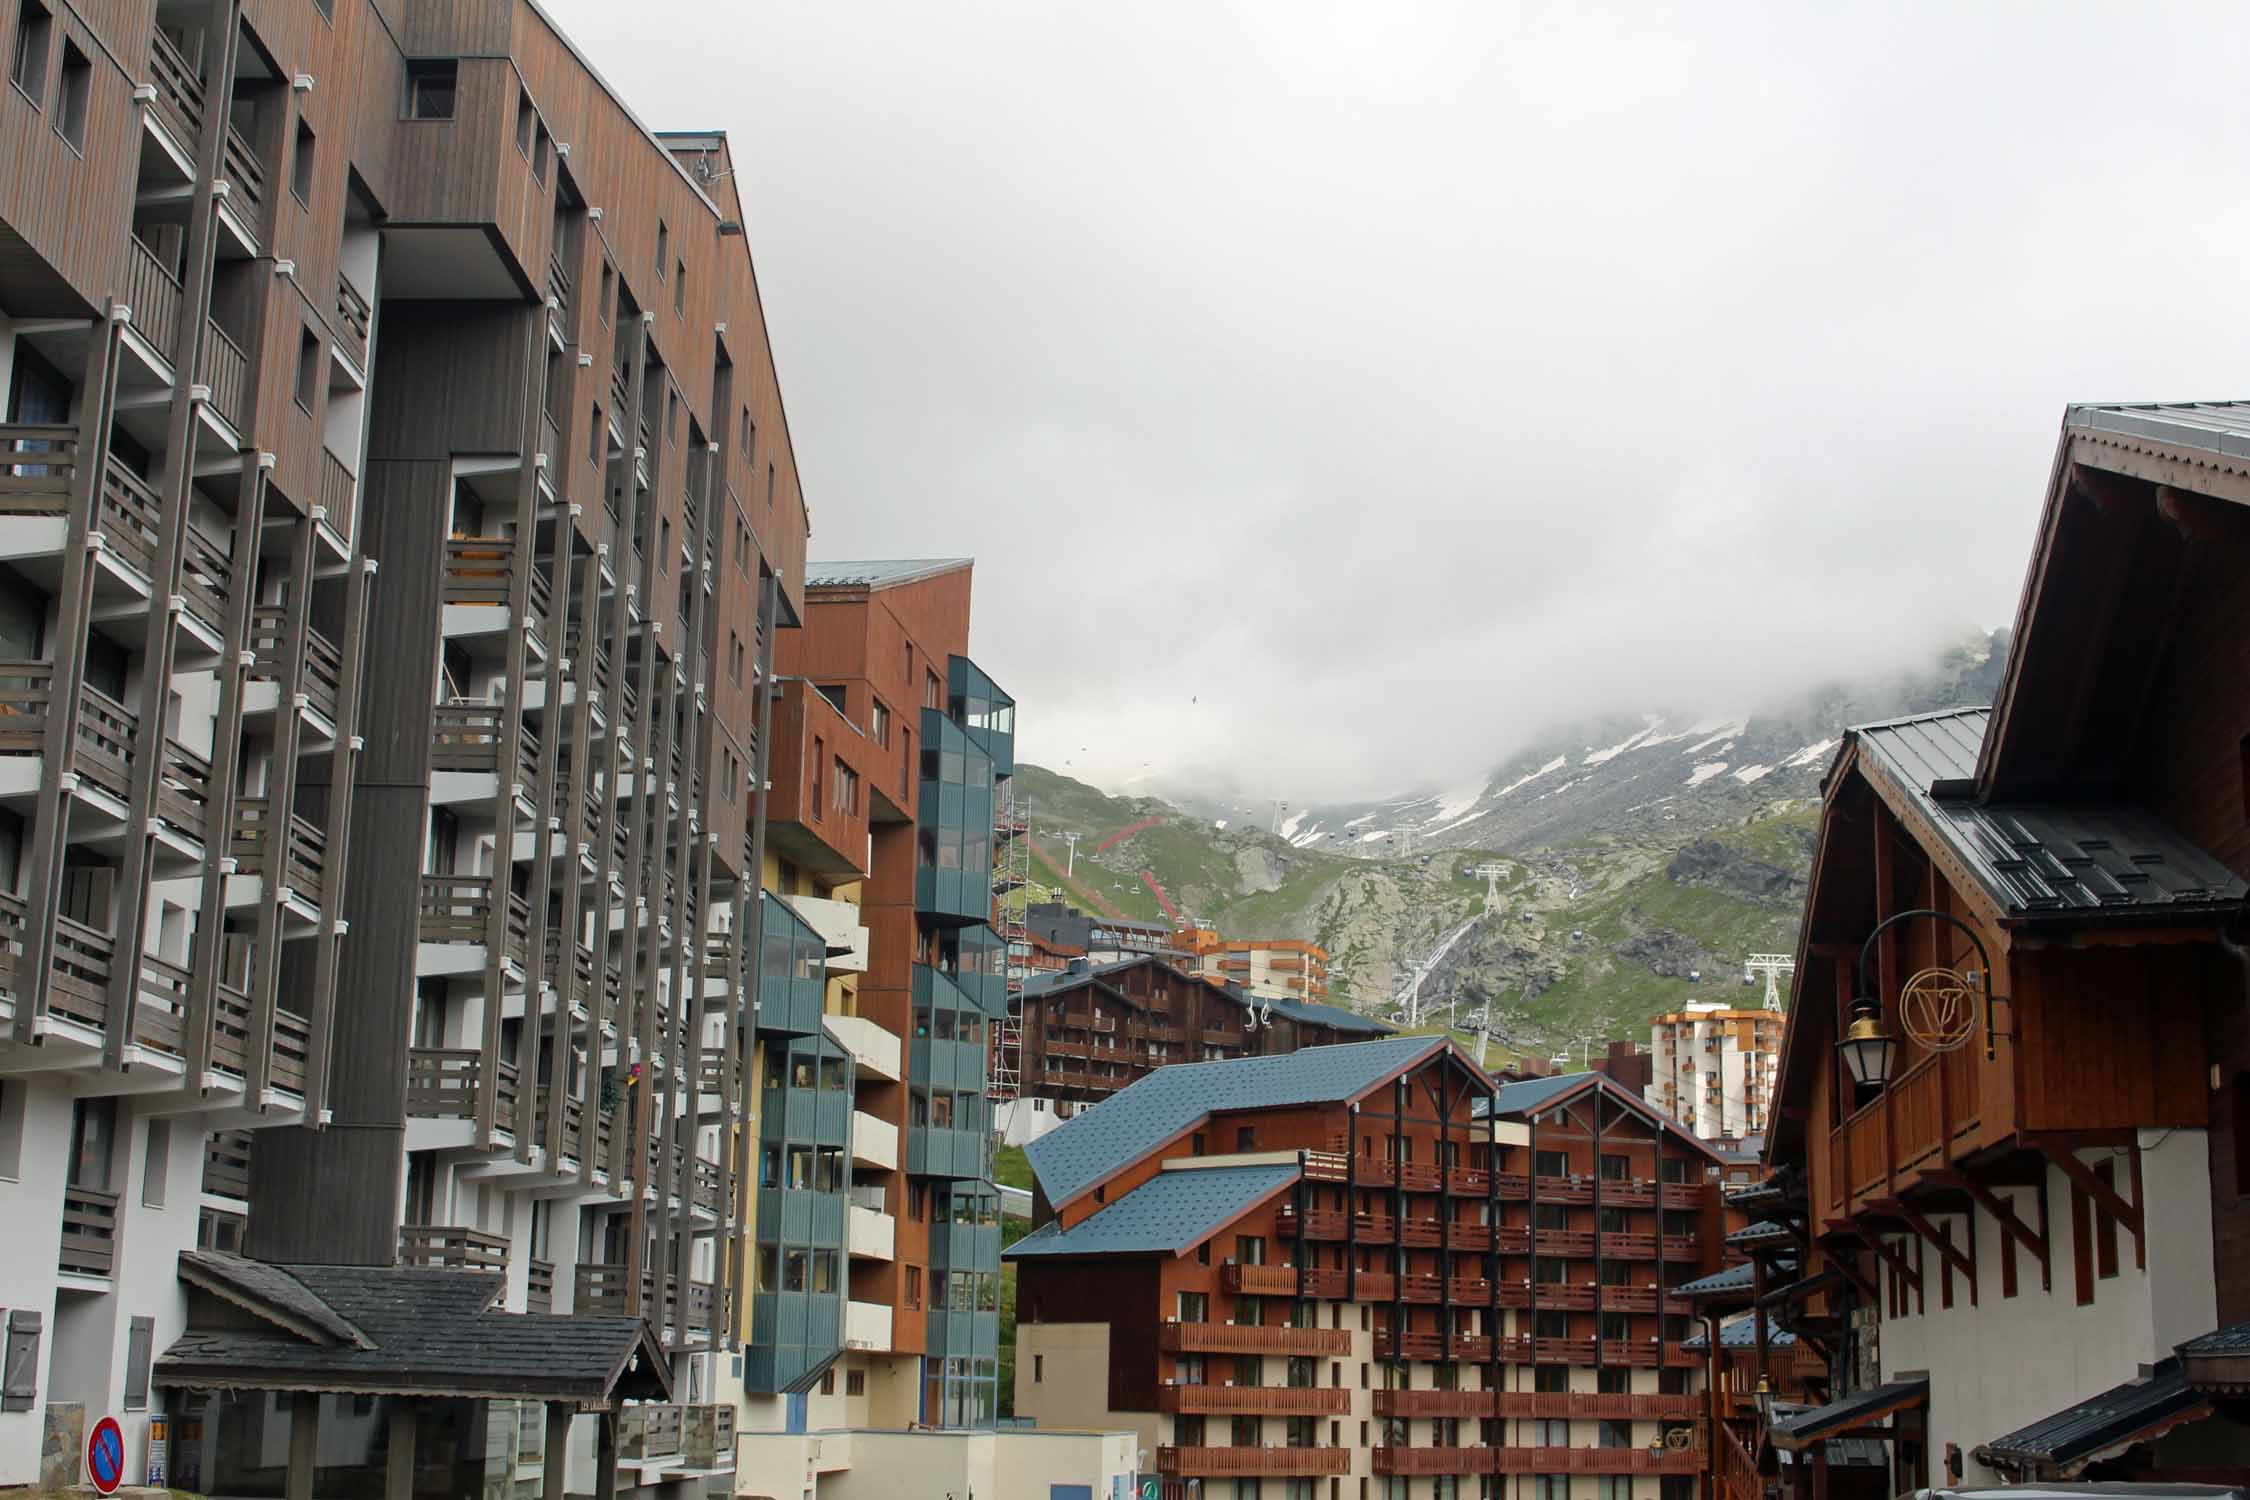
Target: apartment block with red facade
x=1373 y=1270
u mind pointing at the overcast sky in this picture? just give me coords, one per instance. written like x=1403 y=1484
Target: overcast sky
x=1334 y=394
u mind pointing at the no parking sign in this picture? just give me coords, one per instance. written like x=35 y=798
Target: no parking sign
x=105 y=1456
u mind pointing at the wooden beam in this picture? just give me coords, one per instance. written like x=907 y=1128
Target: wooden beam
x=2112 y=1203
x=556 y=1466
x=304 y=1427
x=2004 y=1213
x=398 y=1466
x=1897 y=1262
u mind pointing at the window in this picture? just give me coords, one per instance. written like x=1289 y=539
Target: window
x=1250 y=1249
x=847 y=789
x=35 y=34
x=542 y=148
x=1614 y=1435
x=74 y=91
x=308 y=371
x=1613 y=1327
x=1245 y=1138
x=679 y=288
x=11 y=1130
x=93 y=1126
x=301 y=165
x=881 y=718
x=819 y=762
x=1038 y=1368
x=594 y=434
x=1550 y=1164
x=156 y=1164
x=769 y=488
x=855 y=1382
x=527 y=121
x=1612 y=1382
x=609 y=279
x=1615 y=1168
x=429 y=90
x=913 y=1286
x=663 y=249
x=19 y=1380
x=1552 y=1379
x=140 y=1341
x=2105 y=1224
x=1194 y=1307
x=749 y=438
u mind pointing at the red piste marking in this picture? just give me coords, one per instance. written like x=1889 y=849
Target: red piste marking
x=1127 y=832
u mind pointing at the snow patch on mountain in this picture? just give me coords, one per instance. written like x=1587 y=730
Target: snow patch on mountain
x=1706 y=771
x=1811 y=753
x=1749 y=774
x=1554 y=765
x=1454 y=803
x=1605 y=756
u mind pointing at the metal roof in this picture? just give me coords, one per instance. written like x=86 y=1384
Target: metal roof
x=1847 y=1412
x=1155 y=1108
x=1741 y=1333
x=1171 y=1213
x=1057 y=979
x=1759 y=1233
x=1315 y=1014
x=2210 y=426
x=1530 y=1094
x=1738 y=1278
x=878 y=574
x=2232 y=1339
x=2047 y=861
x=2157 y=1398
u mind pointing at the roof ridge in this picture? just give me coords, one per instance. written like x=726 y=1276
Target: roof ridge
x=1958 y=712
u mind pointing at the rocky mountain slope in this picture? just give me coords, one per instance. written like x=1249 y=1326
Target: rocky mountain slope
x=1634 y=862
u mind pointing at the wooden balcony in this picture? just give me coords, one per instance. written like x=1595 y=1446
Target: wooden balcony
x=1885 y=1147
x=336 y=488
x=37 y=462
x=539 y=1286
x=1599 y=1460
x=1575 y=1244
x=480 y=570
x=302 y=869
x=441 y=1084
x=247 y=175
x=353 y=321
x=1246 y=1462
x=89 y=1232
x=1254 y=1400
x=226 y=370
x=1590 y=1405
x=451 y=1247
x=1231 y=1338
x=648 y=1429
x=1259 y=1281
x=153 y=294
x=230 y=1041
x=269 y=646
x=179 y=92
x=1628 y=1192
x=226 y=1163
x=455 y=908
x=1433 y=1403
x=468 y=737
x=1388 y=1460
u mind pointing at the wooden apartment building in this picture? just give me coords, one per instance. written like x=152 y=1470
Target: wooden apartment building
x=1369 y=1269
x=2020 y=1248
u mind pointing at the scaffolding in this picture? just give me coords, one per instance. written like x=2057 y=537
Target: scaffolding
x=1011 y=882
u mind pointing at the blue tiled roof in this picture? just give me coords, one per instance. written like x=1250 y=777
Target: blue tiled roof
x=1759 y=1233
x=1170 y=1213
x=1742 y=1333
x=1055 y=979
x=1732 y=1279
x=1529 y=1095
x=1159 y=1106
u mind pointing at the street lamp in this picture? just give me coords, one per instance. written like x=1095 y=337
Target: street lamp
x=1868 y=1049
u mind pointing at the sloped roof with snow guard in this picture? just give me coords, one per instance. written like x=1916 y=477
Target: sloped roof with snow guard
x=879 y=573
x=1171 y=1100
x=2059 y=1444
x=1171 y=1213
x=2046 y=862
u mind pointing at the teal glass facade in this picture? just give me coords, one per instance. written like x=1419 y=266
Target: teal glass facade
x=960 y=989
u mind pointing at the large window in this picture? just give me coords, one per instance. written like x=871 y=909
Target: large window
x=430 y=89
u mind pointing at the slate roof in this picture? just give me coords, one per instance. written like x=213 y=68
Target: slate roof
x=1856 y=1410
x=1170 y=1213
x=1532 y=1093
x=412 y=1330
x=1337 y=1016
x=2232 y=1339
x=1734 y=1279
x=1741 y=1333
x=1759 y=1233
x=2118 y=1415
x=879 y=574
x=1056 y=979
x=1161 y=1104
x=2066 y=862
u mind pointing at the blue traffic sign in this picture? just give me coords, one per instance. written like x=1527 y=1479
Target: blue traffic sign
x=105 y=1455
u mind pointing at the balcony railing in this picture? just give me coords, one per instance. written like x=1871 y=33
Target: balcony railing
x=248 y=174
x=230 y=1041
x=128 y=517
x=89 y=1232
x=37 y=461
x=1255 y=1400
x=226 y=370
x=269 y=633
x=1591 y=1405
x=648 y=1430
x=354 y=318
x=78 y=987
x=467 y=737
x=336 y=486
x=1433 y=1403
x=179 y=93
x=1259 y=1281
x=451 y=1247
x=226 y=1163
x=1390 y=1460
x=441 y=1084
x=539 y=1286
x=454 y=909
x=1599 y=1460
x=153 y=293
x=1253 y=1461
x=1231 y=1338
x=206 y=578
x=252 y=846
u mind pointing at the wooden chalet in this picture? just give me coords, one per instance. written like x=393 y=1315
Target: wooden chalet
x=2016 y=1079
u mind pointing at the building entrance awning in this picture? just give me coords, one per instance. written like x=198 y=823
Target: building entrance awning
x=1848 y=1415
x=2061 y=1445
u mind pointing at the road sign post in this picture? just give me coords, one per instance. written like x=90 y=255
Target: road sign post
x=105 y=1456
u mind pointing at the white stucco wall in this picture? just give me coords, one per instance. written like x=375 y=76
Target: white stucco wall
x=2007 y=1361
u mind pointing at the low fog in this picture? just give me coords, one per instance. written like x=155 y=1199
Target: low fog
x=1332 y=395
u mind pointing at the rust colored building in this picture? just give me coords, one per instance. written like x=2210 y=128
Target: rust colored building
x=1371 y=1269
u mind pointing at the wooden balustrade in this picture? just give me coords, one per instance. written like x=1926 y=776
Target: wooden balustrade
x=1259 y=1281
x=226 y=1163
x=248 y=175
x=441 y=1082
x=323 y=664
x=160 y=1005
x=183 y=790
x=179 y=92
x=37 y=463
x=89 y=1232
x=1234 y=1338
x=648 y=1429
x=539 y=1286
x=1254 y=1400
x=1395 y=1461
x=354 y=319
x=226 y=370
x=256 y=831
x=78 y=985
x=1400 y=1403
x=152 y=292
x=127 y=515
x=452 y=1247
x=336 y=487
x=206 y=579
x=1252 y=1461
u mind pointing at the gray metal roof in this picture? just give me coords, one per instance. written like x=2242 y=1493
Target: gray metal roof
x=2221 y=427
x=1732 y=1279
x=1847 y=1412
x=878 y=574
x=2083 y=1430
x=1159 y=1106
x=1532 y=1093
x=1741 y=1333
x=1057 y=979
x=1759 y=1233
x=1314 y=1014
x=2232 y=1339
x=2047 y=861
x=1170 y=1213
